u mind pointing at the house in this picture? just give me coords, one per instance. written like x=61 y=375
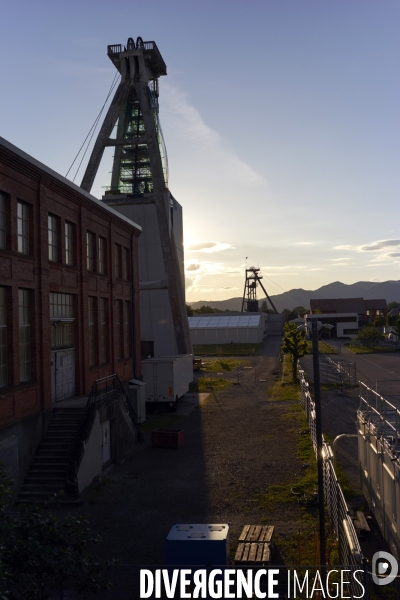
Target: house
x=366 y=310
x=69 y=308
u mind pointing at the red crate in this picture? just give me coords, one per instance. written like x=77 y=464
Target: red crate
x=168 y=438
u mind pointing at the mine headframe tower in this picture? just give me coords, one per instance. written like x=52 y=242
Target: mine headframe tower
x=139 y=188
x=249 y=301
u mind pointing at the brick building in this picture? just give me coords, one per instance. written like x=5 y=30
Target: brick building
x=69 y=298
x=365 y=309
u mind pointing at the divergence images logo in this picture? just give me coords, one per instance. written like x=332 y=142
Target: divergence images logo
x=384 y=568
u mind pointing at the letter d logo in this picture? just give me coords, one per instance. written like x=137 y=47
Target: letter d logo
x=384 y=568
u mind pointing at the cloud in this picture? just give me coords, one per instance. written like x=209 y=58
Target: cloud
x=187 y=124
x=193 y=267
x=394 y=254
x=343 y=258
x=209 y=247
x=379 y=245
x=345 y=247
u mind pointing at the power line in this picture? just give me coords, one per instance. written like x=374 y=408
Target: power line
x=286 y=292
x=93 y=127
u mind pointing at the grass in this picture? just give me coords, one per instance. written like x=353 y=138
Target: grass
x=365 y=350
x=284 y=388
x=226 y=364
x=322 y=347
x=226 y=349
x=207 y=384
x=302 y=493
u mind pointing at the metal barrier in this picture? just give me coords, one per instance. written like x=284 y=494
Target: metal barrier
x=349 y=547
x=338 y=371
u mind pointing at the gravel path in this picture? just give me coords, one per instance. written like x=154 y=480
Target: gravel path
x=237 y=443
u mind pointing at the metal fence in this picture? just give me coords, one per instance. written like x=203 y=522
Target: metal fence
x=349 y=547
x=337 y=371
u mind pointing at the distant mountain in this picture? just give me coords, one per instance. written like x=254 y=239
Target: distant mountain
x=234 y=304
x=389 y=290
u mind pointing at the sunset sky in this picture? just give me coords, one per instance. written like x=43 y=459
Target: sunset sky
x=281 y=120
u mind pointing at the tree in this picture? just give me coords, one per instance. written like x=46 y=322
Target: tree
x=369 y=336
x=294 y=343
x=397 y=328
x=189 y=310
x=299 y=310
x=379 y=321
x=42 y=552
x=393 y=305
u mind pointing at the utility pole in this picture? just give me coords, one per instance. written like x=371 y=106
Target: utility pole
x=318 y=423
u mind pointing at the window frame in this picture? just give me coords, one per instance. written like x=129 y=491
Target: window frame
x=102 y=256
x=53 y=237
x=23 y=227
x=3 y=337
x=24 y=330
x=69 y=243
x=90 y=251
x=92 y=330
x=4 y=225
x=103 y=337
x=117 y=260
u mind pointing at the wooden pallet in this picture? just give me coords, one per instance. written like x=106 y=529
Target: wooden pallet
x=255 y=545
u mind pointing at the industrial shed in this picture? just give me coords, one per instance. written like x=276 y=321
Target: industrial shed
x=239 y=329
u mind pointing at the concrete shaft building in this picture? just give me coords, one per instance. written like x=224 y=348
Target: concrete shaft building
x=139 y=190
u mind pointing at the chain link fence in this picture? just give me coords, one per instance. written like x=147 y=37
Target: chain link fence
x=349 y=547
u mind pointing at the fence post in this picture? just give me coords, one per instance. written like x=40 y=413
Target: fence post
x=318 y=423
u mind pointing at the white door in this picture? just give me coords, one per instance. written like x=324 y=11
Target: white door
x=106 y=443
x=63 y=374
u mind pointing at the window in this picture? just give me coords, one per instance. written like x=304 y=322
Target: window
x=23 y=227
x=103 y=330
x=62 y=320
x=3 y=337
x=125 y=263
x=119 y=329
x=127 y=329
x=102 y=255
x=24 y=336
x=92 y=332
x=3 y=221
x=90 y=251
x=52 y=237
x=117 y=259
x=69 y=244
x=61 y=305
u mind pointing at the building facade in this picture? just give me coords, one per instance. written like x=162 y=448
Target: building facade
x=69 y=298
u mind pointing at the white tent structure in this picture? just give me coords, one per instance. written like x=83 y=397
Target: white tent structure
x=215 y=329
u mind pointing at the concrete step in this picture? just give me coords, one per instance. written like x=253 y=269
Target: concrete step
x=47 y=471
x=62 y=427
x=46 y=476
x=64 y=436
x=52 y=451
x=47 y=459
x=48 y=486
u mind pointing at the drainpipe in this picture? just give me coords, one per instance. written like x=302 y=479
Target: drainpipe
x=133 y=311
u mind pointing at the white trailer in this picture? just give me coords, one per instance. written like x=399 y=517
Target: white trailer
x=167 y=379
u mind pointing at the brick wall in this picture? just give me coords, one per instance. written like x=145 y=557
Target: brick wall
x=45 y=193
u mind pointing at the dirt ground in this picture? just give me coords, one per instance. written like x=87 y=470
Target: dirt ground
x=237 y=444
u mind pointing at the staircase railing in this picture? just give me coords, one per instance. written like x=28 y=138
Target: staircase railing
x=103 y=390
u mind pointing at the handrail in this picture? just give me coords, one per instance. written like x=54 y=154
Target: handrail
x=103 y=390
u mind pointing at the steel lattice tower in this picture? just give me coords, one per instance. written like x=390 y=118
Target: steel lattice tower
x=139 y=184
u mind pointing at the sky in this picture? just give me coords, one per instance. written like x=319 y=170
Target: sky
x=280 y=117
